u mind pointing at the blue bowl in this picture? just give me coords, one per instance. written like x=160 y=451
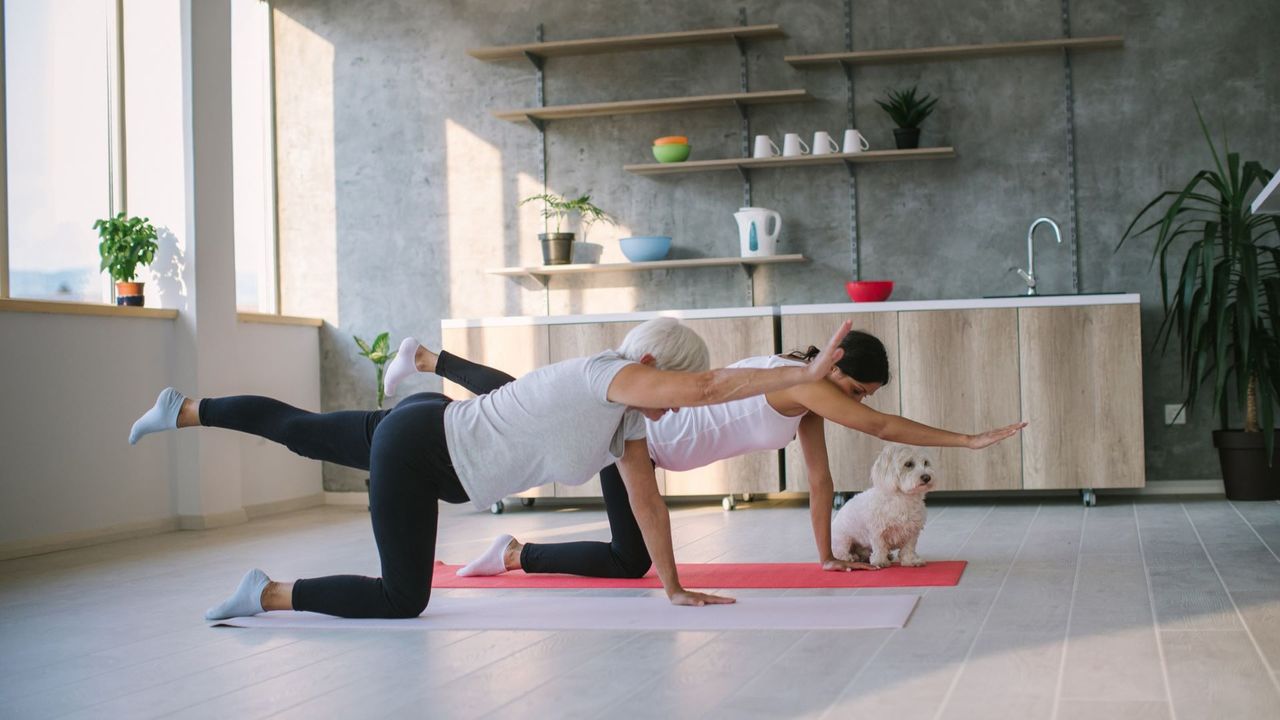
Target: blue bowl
x=647 y=248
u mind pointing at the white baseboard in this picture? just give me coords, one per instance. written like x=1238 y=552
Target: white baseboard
x=1172 y=487
x=84 y=538
x=212 y=520
x=284 y=506
x=346 y=498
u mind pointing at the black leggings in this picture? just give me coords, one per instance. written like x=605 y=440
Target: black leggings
x=409 y=473
x=625 y=556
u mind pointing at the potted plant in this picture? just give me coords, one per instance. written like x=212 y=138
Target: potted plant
x=379 y=353
x=907 y=111
x=125 y=244
x=557 y=246
x=1224 y=309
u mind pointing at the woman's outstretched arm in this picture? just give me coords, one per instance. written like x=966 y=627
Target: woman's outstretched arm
x=655 y=523
x=826 y=400
x=639 y=385
x=813 y=444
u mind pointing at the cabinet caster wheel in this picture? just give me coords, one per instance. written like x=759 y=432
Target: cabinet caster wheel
x=727 y=503
x=497 y=507
x=1088 y=497
x=839 y=500
x=527 y=502
x=746 y=497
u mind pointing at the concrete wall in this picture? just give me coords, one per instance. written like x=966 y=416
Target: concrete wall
x=72 y=387
x=398 y=188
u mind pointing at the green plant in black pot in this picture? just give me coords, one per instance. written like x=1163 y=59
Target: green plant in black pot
x=907 y=111
x=557 y=246
x=379 y=353
x=1223 y=307
x=125 y=243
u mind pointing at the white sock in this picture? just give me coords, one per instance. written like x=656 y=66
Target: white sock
x=245 y=601
x=162 y=416
x=402 y=366
x=491 y=562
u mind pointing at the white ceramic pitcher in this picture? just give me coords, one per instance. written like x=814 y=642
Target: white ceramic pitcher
x=753 y=224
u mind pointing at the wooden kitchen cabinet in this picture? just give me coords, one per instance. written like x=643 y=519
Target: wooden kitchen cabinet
x=730 y=340
x=1082 y=397
x=959 y=371
x=850 y=453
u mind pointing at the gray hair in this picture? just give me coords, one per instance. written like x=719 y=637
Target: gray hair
x=673 y=345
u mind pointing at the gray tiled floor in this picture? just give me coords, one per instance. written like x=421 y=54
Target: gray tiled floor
x=1159 y=609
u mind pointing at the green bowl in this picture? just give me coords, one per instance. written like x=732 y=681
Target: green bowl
x=671 y=153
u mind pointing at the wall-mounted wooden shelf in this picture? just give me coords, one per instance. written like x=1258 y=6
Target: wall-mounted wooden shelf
x=870 y=156
x=630 y=107
x=542 y=271
x=593 y=46
x=956 y=52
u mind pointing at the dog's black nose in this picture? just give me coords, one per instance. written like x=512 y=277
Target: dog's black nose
x=925 y=479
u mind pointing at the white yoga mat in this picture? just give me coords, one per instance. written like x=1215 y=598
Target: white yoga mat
x=623 y=613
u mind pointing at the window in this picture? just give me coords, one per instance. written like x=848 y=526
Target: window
x=253 y=156
x=58 y=81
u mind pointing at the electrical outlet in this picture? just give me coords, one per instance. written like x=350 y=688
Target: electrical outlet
x=1175 y=415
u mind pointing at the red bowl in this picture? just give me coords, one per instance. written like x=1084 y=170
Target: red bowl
x=869 y=290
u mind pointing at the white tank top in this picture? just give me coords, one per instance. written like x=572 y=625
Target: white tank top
x=698 y=436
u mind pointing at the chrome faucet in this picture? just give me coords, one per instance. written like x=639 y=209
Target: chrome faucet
x=1029 y=275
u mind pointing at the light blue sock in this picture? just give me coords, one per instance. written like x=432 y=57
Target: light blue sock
x=162 y=416
x=245 y=601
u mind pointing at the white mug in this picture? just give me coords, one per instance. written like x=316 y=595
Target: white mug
x=765 y=147
x=854 y=141
x=823 y=144
x=792 y=146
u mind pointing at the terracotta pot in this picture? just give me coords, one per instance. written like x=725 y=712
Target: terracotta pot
x=129 y=293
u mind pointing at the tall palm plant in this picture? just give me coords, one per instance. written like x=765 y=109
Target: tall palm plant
x=1225 y=305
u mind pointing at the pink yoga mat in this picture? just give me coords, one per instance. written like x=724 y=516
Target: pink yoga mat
x=724 y=575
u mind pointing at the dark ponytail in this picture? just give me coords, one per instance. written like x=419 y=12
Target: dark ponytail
x=865 y=359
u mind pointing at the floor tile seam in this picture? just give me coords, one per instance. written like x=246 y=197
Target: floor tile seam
x=1256 y=534
x=333 y=690
x=292 y=669
x=1257 y=648
x=955 y=679
x=1066 y=636
x=185 y=676
x=1155 y=618
x=604 y=712
x=626 y=639
x=854 y=680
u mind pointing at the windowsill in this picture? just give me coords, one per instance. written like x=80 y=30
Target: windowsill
x=56 y=307
x=268 y=319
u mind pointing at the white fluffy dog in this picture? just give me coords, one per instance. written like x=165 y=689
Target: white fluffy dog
x=891 y=514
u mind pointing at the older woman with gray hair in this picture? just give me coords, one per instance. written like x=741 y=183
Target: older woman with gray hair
x=561 y=423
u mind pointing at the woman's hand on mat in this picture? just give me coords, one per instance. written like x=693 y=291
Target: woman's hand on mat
x=846 y=566
x=697 y=599
x=991 y=437
x=818 y=368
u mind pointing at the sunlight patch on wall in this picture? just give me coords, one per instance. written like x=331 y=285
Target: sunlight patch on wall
x=476 y=208
x=307 y=207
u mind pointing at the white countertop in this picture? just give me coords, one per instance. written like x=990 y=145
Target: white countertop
x=782 y=310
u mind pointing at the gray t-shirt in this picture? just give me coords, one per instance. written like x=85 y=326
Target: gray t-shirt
x=555 y=424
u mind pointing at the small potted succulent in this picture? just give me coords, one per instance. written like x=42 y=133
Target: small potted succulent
x=907 y=111
x=126 y=243
x=379 y=353
x=557 y=246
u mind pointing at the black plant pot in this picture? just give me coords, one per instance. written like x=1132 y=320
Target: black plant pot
x=1245 y=474
x=557 y=248
x=907 y=138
